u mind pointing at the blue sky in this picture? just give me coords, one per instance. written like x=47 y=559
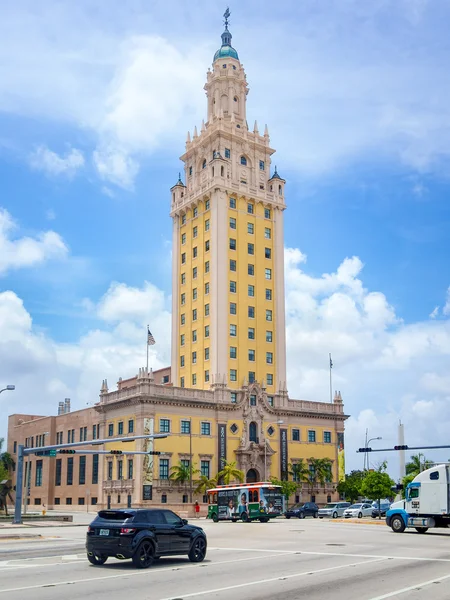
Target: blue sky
x=95 y=104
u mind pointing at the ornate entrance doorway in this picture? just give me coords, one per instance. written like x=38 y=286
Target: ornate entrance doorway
x=252 y=476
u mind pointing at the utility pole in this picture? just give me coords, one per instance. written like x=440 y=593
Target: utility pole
x=191 y=466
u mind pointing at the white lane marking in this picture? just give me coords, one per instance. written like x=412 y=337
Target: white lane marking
x=407 y=589
x=349 y=555
x=131 y=574
x=272 y=579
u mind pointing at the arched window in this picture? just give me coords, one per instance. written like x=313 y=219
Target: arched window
x=212 y=171
x=253 y=432
x=280 y=190
x=243 y=161
x=204 y=163
x=221 y=171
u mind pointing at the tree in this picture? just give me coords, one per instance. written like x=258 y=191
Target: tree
x=319 y=472
x=287 y=487
x=350 y=488
x=204 y=484
x=181 y=473
x=417 y=464
x=299 y=471
x=377 y=485
x=230 y=472
x=6 y=462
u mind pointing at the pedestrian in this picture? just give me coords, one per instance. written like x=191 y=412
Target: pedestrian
x=197 y=509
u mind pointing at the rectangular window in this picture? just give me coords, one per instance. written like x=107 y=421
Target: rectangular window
x=206 y=289
x=195 y=212
x=267 y=213
x=251 y=312
x=268 y=336
x=206 y=353
x=131 y=426
x=251 y=248
x=194 y=358
x=270 y=400
x=205 y=428
x=232 y=203
x=207 y=266
x=194 y=314
x=253 y=400
x=251 y=290
x=183 y=319
x=183 y=219
x=207 y=225
x=120 y=428
x=269 y=358
x=250 y=208
x=194 y=273
x=233 y=397
x=233 y=331
x=183 y=278
x=120 y=469
x=164 y=426
x=183 y=258
x=232 y=265
x=194 y=335
x=251 y=333
x=311 y=435
x=250 y=228
x=296 y=435
x=233 y=287
x=58 y=469
x=233 y=352
x=251 y=269
x=195 y=231
x=232 y=223
x=194 y=252
x=182 y=382
x=227 y=154
x=206 y=331
x=82 y=470
x=268 y=294
x=183 y=299
x=38 y=477
x=194 y=379
x=267 y=233
x=164 y=468
x=233 y=375
x=268 y=315
x=233 y=308
x=268 y=273
x=327 y=437
x=206 y=310
x=68 y=501
x=267 y=252
x=183 y=238
x=232 y=244
x=69 y=480
x=205 y=468
x=182 y=339
x=206 y=376
x=261 y=165
x=130 y=469
x=251 y=355
x=207 y=246
x=194 y=294
x=251 y=376
x=185 y=426
x=110 y=429
x=190 y=170
x=182 y=361
x=95 y=468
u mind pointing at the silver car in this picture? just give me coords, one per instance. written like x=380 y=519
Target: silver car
x=333 y=510
x=361 y=509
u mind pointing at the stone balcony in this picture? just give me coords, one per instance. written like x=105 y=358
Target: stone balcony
x=118 y=486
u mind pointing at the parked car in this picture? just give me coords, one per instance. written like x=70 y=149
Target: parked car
x=361 y=509
x=308 y=509
x=376 y=511
x=144 y=536
x=333 y=510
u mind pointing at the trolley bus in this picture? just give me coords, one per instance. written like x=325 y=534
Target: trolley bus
x=245 y=502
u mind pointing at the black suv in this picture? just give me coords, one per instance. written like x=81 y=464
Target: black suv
x=144 y=536
x=302 y=510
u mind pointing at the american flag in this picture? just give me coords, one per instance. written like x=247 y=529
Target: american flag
x=150 y=338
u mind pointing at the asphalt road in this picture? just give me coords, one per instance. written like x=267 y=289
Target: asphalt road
x=289 y=560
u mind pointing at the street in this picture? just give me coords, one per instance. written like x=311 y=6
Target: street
x=314 y=559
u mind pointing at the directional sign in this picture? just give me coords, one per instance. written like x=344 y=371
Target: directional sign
x=45 y=453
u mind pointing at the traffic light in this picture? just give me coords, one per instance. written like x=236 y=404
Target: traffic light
x=400 y=447
x=115 y=451
x=365 y=450
x=67 y=451
x=397 y=488
x=157 y=452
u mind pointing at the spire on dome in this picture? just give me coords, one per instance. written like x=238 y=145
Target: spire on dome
x=275 y=174
x=227 y=49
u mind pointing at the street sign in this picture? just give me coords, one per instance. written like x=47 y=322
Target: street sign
x=45 y=453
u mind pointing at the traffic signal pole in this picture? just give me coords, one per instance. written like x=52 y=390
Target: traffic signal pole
x=399 y=448
x=68 y=449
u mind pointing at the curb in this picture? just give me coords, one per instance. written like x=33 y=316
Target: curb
x=360 y=521
x=21 y=536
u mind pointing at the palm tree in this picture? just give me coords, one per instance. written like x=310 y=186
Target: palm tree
x=181 y=473
x=299 y=471
x=204 y=484
x=229 y=472
x=417 y=464
x=319 y=472
x=6 y=460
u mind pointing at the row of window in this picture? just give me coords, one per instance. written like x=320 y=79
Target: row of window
x=251 y=355
x=194 y=335
x=233 y=267
x=120 y=428
x=251 y=228
x=164 y=467
x=119 y=469
x=195 y=212
x=58 y=471
x=311 y=436
x=243 y=159
x=165 y=426
x=250 y=248
x=195 y=231
x=234 y=398
x=195 y=252
x=251 y=209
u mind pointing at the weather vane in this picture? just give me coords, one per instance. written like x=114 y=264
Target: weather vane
x=226 y=14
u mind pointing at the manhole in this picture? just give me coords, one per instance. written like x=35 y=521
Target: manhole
x=335 y=544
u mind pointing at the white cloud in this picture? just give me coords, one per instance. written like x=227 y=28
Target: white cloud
x=446 y=309
x=116 y=166
x=51 y=163
x=124 y=303
x=434 y=313
x=27 y=251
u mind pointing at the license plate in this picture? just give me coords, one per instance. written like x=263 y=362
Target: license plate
x=104 y=531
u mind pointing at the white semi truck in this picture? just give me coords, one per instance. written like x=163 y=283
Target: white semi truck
x=426 y=503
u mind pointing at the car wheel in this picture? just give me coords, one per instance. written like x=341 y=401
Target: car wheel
x=264 y=519
x=421 y=529
x=360 y=515
x=315 y=515
x=198 y=551
x=144 y=555
x=397 y=524
x=234 y=520
x=215 y=518
x=244 y=517
x=288 y=516
x=301 y=515
x=335 y=515
x=97 y=559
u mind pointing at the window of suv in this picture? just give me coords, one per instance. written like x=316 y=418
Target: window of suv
x=155 y=517
x=116 y=515
x=171 y=518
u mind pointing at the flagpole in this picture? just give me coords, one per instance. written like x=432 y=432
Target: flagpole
x=148 y=327
x=331 y=381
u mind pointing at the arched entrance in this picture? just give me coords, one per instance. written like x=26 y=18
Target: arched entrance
x=252 y=476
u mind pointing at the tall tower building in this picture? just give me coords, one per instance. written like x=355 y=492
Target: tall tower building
x=228 y=315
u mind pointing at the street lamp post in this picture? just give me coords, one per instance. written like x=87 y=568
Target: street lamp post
x=366 y=454
x=8 y=388
x=279 y=422
x=190 y=460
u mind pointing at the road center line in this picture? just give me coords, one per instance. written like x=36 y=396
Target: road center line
x=272 y=579
x=407 y=589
